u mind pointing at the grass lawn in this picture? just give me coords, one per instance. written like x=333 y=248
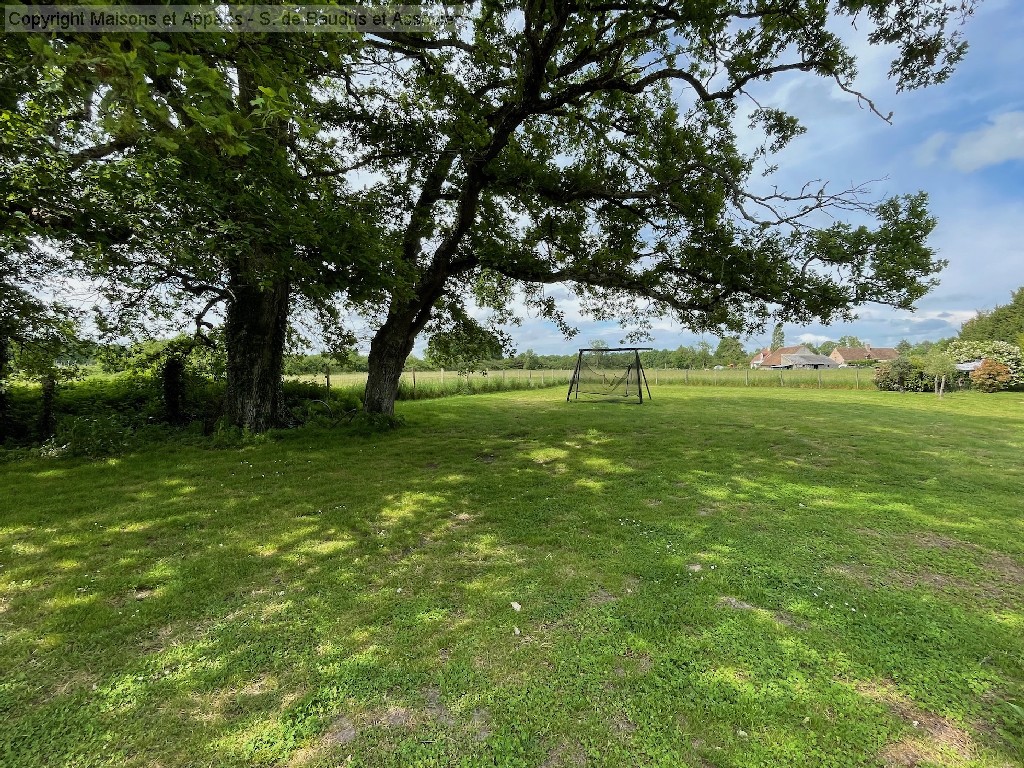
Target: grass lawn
x=720 y=577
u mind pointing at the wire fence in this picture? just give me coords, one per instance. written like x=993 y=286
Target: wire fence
x=425 y=385
x=420 y=385
x=829 y=378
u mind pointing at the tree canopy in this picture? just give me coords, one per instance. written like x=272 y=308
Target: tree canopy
x=1004 y=323
x=593 y=144
x=407 y=175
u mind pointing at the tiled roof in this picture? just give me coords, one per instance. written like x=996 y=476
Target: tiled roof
x=884 y=353
x=775 y=358
x=851 y=354
x=808 y=360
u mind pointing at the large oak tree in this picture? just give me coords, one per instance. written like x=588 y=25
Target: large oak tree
x=190 y=175
x=593 y=144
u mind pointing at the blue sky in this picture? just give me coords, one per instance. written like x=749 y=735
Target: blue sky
x=962 y=142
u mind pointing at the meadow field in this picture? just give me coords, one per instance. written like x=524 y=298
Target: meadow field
x=417 y=385
x=723 y=576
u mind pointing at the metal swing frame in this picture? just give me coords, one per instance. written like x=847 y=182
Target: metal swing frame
x=636 y=365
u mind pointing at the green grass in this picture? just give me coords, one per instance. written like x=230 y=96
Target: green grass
x=431 y=384
x=318 y=596
x=428 y=385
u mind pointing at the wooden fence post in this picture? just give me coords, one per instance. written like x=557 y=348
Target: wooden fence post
x=857 y=373
x=327 y=377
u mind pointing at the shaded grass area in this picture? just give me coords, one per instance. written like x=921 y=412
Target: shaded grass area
x=719 y=577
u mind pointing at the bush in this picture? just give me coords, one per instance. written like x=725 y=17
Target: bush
x=94 y=436
x=998 y=351
x=991 y=376
x=914 y=374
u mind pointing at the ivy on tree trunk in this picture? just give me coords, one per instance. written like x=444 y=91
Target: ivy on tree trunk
x=254 y=330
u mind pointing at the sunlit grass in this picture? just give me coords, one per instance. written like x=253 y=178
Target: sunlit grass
x=722 y=576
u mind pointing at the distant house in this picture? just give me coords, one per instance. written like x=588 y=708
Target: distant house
x=767 y=358
x=847 y=355
x=808 y=360
x=758 y=359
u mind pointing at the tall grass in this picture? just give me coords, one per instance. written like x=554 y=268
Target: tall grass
x=432 y=384
x=428 y=385
x=835 y=378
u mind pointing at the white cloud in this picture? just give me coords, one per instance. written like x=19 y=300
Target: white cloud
x=1001 y=140
x=812 y=338
x=929 y=151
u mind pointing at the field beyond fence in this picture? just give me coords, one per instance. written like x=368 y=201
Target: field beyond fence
x=418 y=385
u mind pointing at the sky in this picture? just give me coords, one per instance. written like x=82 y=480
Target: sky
x=962 y=142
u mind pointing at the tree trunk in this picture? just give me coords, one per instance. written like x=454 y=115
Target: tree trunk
x=173 y=375
x=390 y=348
x=254 y=331
x=5 y=356
x=47 y=422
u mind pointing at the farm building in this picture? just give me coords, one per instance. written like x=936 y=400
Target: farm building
x=808 y=360
x=767 y=358
x=847 y=355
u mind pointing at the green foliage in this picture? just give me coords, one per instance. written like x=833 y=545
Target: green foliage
x=304 y=365
x=462 y=344
x=730 y=352
x=94 y=436
x=1009 y=355
x=991 y=376
x=368 y=424
x=918 y=374
x=778 y=337
x=938 y=363
x=1004 y=323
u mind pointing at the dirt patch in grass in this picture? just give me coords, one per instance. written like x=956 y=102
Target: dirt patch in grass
x=480 y=724
x=1005 y=569
x=930 y=540
x=779 y=617
x=602 y=597
x=394 y=717
x=1003 y=577
x=346 y=728
x=622 y=725
x=565 y=756
x=342 y=731
x=932 y=739
x=735 y=604
x=634 y=661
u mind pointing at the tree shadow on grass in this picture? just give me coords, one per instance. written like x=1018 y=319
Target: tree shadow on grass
x=708 y=578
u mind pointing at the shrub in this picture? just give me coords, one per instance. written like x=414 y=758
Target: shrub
x=991 y=376
x=900 y=375
x=999 y=351
x=93 y=436
x=915 y=374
